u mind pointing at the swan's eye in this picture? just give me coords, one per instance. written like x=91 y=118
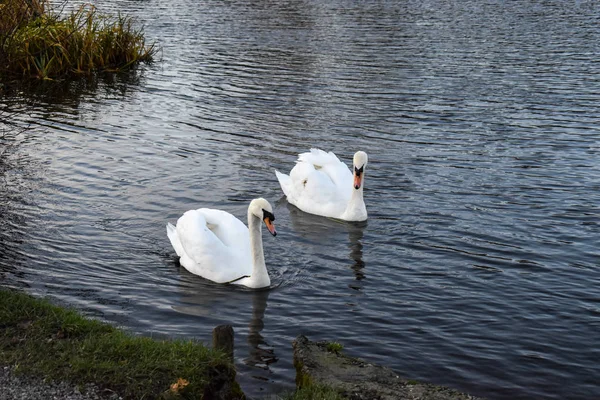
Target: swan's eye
x=269 y=215
x=358 y=171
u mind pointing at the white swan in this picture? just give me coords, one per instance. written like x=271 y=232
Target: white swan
x=217 y=246
x=321 y=184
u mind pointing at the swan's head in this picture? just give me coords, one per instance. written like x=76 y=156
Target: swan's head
x=261 y=208
x=360 y=163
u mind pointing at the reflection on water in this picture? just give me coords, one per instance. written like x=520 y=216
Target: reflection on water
x=205 y=299
x=478 y=266
x=73 y=92
x=356 y=249
x=261 y=354
x=314 y=229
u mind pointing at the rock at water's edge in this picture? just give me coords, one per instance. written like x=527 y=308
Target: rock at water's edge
x=359 y=380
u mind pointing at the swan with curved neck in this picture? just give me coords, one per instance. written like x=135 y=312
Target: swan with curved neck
x=217 y=246
x=321 y=184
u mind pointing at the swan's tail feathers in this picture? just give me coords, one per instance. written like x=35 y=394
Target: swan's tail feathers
x=174 y=238
x=285 y=182
x=318 y=157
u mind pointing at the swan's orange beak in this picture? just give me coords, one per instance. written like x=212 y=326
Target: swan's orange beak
x=358 y=177
x=270 y=226
x=357 y=181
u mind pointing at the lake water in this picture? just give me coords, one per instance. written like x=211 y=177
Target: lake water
x=479 y=266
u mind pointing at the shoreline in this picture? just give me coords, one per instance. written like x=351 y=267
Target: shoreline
x=48 y=349
x=40 y=340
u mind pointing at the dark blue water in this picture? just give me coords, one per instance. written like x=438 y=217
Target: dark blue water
x=479 y=266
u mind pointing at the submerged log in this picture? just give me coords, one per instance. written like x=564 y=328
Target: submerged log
x=322 y=364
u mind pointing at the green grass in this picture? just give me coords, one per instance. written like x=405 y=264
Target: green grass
x=41 y=339
x=334 y=347
x=314 y=392
x=38 y=43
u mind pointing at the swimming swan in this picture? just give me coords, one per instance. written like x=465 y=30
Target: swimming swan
x=321 y=184
x=217 y=246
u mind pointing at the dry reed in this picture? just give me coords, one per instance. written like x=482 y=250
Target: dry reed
x=38 y=43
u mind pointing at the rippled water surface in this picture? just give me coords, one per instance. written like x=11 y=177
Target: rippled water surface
x=479 y=266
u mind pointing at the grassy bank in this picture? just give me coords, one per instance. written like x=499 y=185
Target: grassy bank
x=36 y=42
x=314 y=392
x=52 y=342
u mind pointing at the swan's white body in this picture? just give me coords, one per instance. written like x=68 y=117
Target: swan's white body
x=217 y=246
x=321 y=184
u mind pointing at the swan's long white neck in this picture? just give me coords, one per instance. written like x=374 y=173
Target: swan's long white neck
x=260 y=276
x=356 y=209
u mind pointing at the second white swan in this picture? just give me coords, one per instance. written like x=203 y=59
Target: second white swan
x=217 y=246
x=321 y=184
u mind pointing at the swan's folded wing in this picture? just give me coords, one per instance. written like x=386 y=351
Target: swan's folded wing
x=199 y=243
x=228 y=229
x=285 y=182
x=206 y=253
x=174 y=239
x=315 y=192
x=330 y=165
x=318 y=157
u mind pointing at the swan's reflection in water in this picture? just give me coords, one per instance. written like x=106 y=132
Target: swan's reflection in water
x=356 y=233
x=260 y=354
x=322 y=231
x=215 y=303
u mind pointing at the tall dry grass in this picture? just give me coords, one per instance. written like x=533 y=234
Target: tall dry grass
x=36 y=42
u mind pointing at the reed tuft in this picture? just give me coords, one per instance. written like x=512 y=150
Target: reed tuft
x=38 y=43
